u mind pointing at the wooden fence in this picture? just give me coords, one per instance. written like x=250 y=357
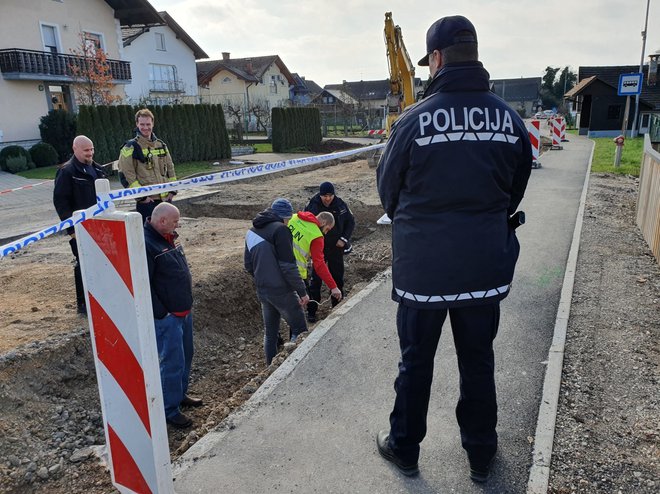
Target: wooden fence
x=648 y=201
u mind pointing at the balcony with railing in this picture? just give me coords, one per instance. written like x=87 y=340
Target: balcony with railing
x=39 y=65
x=166 y=86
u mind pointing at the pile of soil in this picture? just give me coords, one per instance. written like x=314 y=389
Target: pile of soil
x=50 y=421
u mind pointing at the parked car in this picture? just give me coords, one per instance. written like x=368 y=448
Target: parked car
x=544 y=114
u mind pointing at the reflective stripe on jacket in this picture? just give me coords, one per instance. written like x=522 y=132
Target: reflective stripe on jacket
x=146 y=162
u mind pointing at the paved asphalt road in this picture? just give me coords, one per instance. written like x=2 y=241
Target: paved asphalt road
x=311 y=427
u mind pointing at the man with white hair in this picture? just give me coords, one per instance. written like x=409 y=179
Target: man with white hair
x=74 y=190
x=172 y=300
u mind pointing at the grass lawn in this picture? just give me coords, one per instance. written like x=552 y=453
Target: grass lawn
x=263 y=148
x=631 y=158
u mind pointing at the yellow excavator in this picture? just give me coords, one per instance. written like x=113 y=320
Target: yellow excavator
x=402 y=73
x=402 y=79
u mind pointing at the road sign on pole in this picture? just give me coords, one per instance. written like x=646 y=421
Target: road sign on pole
x=630 y=84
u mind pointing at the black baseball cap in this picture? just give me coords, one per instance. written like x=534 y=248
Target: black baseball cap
x=445 y=32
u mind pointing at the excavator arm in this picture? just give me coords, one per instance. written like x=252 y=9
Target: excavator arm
x=402 y=79
x=402 y=72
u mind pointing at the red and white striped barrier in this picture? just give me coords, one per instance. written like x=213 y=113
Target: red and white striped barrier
x=29 y=186
x=555 y=132
x=535 y=138
x=376 y=132
x=562 y=131
x=114 y=268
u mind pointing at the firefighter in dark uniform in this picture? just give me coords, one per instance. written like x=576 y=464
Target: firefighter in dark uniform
x=453 y=173
x=337 y=242
x=74 y=190
x=145 y=160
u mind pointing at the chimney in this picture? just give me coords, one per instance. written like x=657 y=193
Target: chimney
x=225 y=55
x=248 y=67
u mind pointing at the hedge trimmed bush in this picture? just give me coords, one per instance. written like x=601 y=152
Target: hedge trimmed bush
x=295 y=128
x=58 y=129
x=14 y=152
x=43 y=154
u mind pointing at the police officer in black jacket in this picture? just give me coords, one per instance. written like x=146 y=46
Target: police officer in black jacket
x=454 y=170
x=74 y=190
x=337 y=242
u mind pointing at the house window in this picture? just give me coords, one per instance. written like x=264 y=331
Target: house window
x=49 y=35
x=645 y=121
x=160 y=42
x=614 y=112
x=226 y=80
x=93 y=42
x=163 y=77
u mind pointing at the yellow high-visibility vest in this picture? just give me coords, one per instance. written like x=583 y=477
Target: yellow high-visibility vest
x=303 y=232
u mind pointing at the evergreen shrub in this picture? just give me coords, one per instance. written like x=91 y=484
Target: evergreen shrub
x=14 y=152
x=43 y=154
x=58 y=129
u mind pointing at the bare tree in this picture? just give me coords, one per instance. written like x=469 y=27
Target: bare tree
x=92 y=73
x=235 y=111
x=260 y=110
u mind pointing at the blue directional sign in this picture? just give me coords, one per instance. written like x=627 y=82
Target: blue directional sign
x=630 y=84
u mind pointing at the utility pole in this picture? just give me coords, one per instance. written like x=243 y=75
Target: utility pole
x=641 y=68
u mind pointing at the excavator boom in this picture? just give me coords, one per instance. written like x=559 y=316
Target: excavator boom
x=402 y=72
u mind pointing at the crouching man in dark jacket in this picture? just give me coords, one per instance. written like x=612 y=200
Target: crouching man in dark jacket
x=269 y=259
x=172 y=300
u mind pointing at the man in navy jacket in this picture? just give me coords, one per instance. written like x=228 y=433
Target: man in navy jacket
x=337 y=242
x=74 y=190
x=172 y=301
x=454 y=170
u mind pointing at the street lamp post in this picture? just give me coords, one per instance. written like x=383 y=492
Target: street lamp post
x=641 y=68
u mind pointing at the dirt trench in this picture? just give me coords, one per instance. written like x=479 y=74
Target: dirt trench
x=50 y=419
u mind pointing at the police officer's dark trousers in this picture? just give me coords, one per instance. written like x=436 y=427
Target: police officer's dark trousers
x=334 y=258
x=474 y=329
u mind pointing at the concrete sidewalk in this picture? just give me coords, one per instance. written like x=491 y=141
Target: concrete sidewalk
x=311 y=427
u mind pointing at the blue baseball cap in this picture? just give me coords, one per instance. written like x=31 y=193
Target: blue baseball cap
x=446 y=32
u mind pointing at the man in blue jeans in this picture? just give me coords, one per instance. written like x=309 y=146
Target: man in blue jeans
x=171 y=297
x=269 y=259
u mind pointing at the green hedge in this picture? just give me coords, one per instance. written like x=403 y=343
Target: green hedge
x=295 y=128
x=58 y=129
x=192 y=132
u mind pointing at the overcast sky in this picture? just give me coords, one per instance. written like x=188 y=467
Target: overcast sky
x=331 y=41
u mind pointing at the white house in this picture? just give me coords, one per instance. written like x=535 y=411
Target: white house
x=162 y=63
x=36 y=40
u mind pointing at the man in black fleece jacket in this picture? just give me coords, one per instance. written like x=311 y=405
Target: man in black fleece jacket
x=269 y=259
